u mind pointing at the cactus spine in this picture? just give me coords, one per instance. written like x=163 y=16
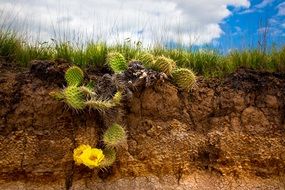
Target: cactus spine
x=116 y=62
x=114 y=136
x=184 y=78
x=74 y=76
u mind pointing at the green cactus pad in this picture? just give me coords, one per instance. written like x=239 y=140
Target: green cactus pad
x=74 y=76
x=100 y=105
x=146 y=59
x=74 y=97
x=116 y=62
x=184 y=78
x=109 y=157
x=164 y=64
x=114 y=136
x=117 y=98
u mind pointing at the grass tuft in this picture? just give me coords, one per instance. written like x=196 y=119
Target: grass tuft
x=208 y=63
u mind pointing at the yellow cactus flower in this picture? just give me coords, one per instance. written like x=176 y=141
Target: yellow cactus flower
x=90 y=157
x=78 y=152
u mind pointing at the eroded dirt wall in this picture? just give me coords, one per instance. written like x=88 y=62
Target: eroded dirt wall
x=225 y=134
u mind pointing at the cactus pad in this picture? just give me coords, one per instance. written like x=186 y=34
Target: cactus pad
x=117 y=98
x=109 y=159
x=165 y=65
x=57 y=95
x=74 y=76
x=74 y=97
x=100 y=105
x=146 y=59
x=116 y=62
x=184 y=78
x=114 y=136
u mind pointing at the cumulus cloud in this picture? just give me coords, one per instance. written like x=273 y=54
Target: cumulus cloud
x=150 y=21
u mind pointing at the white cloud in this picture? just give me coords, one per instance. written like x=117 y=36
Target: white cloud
x=281 y=9
x=257 y=7
x=188 y=21
x=264 y=3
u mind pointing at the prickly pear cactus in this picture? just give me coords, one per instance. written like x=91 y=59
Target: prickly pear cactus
x=165 y=65
x=57 y=95
x=74 y=97
x=100 y=105
x=184 y=78
x=146 y=59
x=117 y=98
x=114 y=136
x=110 y=157
x=74 y=76
x=116 y=62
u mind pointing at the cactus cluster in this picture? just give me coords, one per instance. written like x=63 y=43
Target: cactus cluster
x=184 y=78
x=114 y=136
x=78 y=97
x=117 y=62
x=159 y=63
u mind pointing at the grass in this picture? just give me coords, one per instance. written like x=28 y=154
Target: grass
x=208 y=63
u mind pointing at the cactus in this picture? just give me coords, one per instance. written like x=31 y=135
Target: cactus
x=74 y=76
x=90 y=157
x=117 y=98
x=184 y=78
x=117 y=62
x=146 y=59
x=114 y=136
x=109 y=159
x=57 y=95
x=86 y=90
x=100 y=105
x=164 y=64
x=74 y=97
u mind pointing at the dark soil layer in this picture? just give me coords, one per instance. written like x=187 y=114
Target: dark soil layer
x=225 y=134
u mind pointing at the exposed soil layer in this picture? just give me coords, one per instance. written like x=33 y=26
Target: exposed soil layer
x=225 y=134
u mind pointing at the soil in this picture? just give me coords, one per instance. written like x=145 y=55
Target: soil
x=225 y=134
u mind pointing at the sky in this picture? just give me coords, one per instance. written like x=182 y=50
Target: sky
x=223 y=24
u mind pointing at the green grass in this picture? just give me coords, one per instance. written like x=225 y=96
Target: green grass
x=208 y=63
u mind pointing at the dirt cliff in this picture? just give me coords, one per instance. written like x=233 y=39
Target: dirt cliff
x=225 y=134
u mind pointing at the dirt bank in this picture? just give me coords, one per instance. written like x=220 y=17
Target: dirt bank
x=224 y=134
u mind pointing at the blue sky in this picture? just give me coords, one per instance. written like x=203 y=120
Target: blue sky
x=245 y=28
x=223 y=24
